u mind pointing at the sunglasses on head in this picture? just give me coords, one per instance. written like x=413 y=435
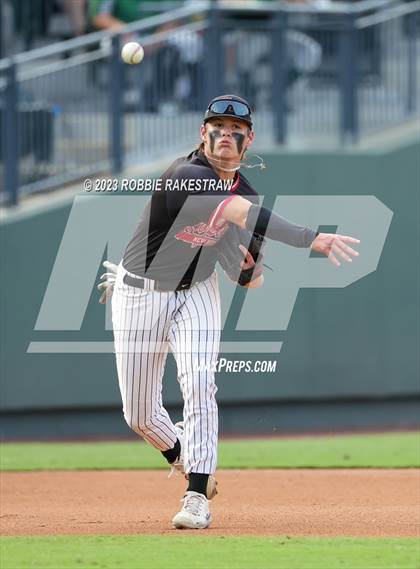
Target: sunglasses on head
x=231 y=107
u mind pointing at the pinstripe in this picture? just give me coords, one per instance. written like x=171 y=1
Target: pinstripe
x=161 y=362
x=189 y=350
x=125 y=333
x=159 y=414
x=140 y=380
x=157 y=379
x=120 y=333
x=179 y=349
x=207 y=414
x=145 y=379
x=190 y=400
x=135 y=372
x=210 y=387
x=143 y=382
x=150 y=379
x=156 y=376
x=211 y=429
x=215 y=307
x=149 y=370
x=130 y=349
x=198 y=372
x=155 y=368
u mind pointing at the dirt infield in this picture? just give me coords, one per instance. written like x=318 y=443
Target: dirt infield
x=259 y=502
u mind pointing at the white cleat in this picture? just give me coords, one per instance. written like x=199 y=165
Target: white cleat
x=195 y=513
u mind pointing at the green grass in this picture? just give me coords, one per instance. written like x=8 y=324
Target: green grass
x=197 y=551
x=393 y=450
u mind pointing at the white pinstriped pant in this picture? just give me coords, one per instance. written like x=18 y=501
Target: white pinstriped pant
x=146 y=325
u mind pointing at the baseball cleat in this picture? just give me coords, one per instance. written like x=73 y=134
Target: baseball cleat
x=195 y=513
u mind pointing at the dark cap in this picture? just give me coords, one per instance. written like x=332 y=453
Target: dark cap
x=229 y=106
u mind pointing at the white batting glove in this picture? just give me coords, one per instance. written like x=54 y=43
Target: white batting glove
x=108 y=278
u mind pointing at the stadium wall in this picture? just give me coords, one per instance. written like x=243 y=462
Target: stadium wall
x=349 y=359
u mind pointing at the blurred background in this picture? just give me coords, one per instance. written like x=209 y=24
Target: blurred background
x=335 y=92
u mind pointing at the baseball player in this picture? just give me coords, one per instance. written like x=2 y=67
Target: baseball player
x=166 y=295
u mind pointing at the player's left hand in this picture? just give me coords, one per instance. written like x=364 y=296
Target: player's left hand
x=333 y=246
x=248 y=261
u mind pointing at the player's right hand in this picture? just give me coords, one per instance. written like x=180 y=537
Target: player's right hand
x=106 y=286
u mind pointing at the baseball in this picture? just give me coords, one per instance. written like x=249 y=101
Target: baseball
x=132 y=53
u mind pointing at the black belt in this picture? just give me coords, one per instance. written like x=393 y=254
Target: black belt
x=158 y=285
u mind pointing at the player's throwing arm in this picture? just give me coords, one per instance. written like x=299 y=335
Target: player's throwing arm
x=265 y=222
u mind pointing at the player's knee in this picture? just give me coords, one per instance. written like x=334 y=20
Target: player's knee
x=133 y=422
x=140 y=425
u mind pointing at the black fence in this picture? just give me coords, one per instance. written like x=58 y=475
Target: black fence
x=314 y=76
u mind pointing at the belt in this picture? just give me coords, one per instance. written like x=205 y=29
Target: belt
x=157 y=285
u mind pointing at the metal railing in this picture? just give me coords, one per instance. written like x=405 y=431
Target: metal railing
x=333 y=74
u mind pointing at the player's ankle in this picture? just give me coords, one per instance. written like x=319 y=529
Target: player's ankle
x=173 y=453
x=197 y=483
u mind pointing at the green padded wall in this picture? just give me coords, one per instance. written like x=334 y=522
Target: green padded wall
x=341 y=343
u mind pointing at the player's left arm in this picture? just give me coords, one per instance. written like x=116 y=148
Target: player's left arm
x=262 y=220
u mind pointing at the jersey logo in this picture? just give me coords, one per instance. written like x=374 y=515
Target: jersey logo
x=206 y=234
x=201 y=234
